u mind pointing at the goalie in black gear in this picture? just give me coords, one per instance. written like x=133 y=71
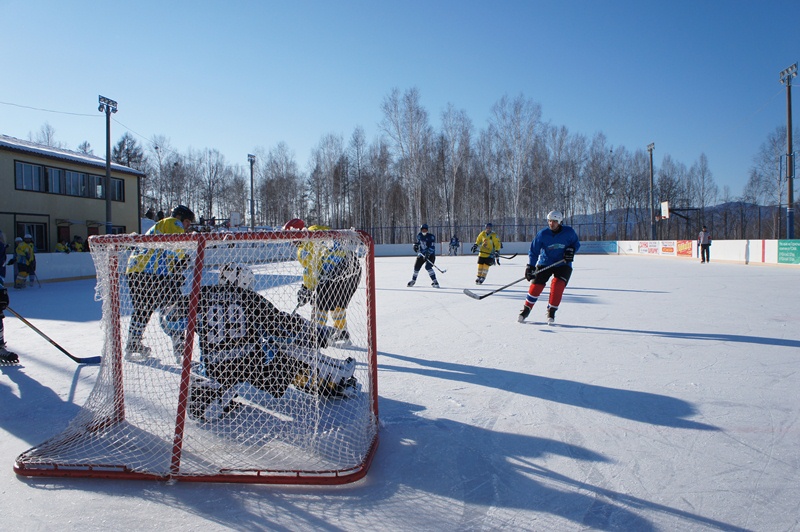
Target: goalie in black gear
x=243 y=337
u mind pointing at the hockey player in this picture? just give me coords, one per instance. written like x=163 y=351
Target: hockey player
x=425 y=248
x=551 y=245
x=26 y=261
x=488 y=245
x=243 y=337
x=454 y=245
x=155 y=277
x=330 y=278
x=6 y=356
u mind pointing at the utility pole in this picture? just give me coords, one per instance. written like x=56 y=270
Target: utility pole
x=650 y=148
x=786 y=79
x=107 y=106
x=252 y=159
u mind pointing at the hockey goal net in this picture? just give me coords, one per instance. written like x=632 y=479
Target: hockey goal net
x=295 y=404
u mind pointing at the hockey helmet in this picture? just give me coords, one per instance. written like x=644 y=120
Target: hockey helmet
x=183 y=212
x=28 y=236
x=18 y=239
x=555 y=215
x=319 y=228
x=295 y=224
x=236 y=275
x=424 y=227
x=488 y=224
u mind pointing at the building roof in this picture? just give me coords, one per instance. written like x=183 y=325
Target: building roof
x=24 y=146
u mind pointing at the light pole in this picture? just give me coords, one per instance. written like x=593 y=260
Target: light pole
x=252 y=159
x=107 y=106
x=786 y=78
x=650 y=148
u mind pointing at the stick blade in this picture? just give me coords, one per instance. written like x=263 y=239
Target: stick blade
x=472 y=294
x=90 y=360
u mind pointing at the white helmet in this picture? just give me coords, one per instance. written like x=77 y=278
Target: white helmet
x=555 y=215
x=236 y=275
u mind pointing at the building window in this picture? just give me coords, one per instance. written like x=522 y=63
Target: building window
x=29 y=177
x=117 y=189
x=55 y=180
x=76 y=183
x=96 y=186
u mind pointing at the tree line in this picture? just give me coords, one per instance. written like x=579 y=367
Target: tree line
x=510 y=172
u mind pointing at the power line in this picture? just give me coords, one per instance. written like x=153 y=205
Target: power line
x=46 y=110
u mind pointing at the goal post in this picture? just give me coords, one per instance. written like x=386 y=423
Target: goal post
x=216 y=370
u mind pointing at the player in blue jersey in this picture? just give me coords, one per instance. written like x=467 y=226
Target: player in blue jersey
x=425 y=248
x=552 y=245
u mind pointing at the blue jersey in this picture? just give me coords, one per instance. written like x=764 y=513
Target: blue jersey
x=427 y=244
x=548 y=246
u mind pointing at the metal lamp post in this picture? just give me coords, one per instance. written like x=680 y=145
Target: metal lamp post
x=107 y=106
x=650 y=148
x=252 y=159
x=786 y=78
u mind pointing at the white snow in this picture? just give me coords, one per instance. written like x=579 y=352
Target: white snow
x=665 y=398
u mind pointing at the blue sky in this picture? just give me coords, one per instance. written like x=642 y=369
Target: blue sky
x=691 y=76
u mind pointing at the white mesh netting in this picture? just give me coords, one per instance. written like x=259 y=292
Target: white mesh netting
x=238 y=357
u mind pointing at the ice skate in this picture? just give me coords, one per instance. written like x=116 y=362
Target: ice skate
x=7 y=358
x=551 y=315
x=412 y=282
x=435 y=284
x=136 y=351
x=526 y=311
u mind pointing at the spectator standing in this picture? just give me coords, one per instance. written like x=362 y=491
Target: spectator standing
x=704 y=242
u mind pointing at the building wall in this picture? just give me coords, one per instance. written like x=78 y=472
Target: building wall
x=80 y=214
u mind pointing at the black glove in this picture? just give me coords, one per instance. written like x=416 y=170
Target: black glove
x=497 y=258
x=303 y=295
x=474 y=248
x=569 y=254
x=416 y=248
x=14 y=260
x=3 y=299
x=530 y=272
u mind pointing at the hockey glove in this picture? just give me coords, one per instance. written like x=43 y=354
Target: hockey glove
x=530 y=272
x=416 y=248
x=497 y=258
x=474 y=248
x=303 y=295
x=3 y=299
x=569 y=254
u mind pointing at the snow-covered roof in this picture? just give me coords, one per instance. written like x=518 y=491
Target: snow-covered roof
x=25 y=146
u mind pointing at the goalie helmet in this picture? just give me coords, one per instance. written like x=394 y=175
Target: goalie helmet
x=295 y=224
x=236 y=275
x=555 y=215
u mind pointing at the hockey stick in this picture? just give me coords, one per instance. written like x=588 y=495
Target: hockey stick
x=86 y=360
x=509 y=257
x=432 y=264
x=473 y=295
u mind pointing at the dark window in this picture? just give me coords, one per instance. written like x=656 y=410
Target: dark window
x=29 y=177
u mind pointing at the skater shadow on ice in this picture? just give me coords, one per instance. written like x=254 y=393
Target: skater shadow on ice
x=712 y=337
x=638 y=406
x=35 y=401
x=488 y=471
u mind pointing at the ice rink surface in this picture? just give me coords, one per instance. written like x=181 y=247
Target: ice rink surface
x=666 y=397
